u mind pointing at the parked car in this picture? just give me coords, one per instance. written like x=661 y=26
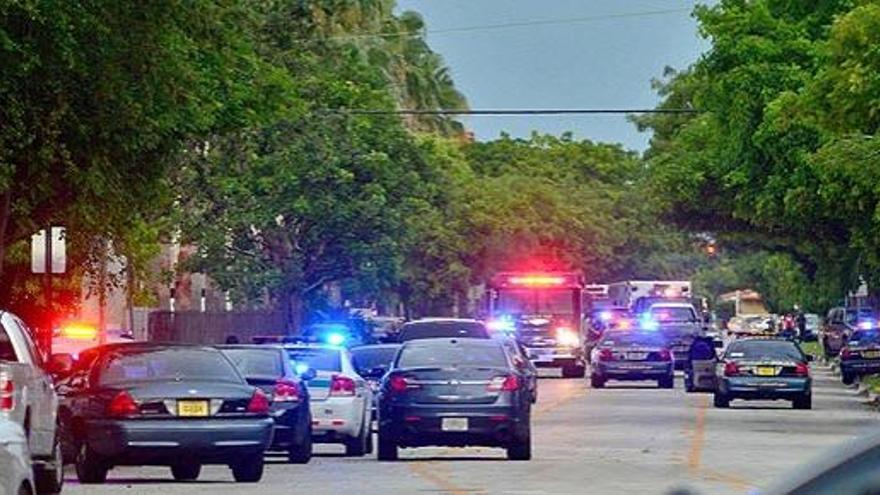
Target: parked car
x=269 y=368
x=454 y=392
x=340 y=398
x=432 y=328
x=73 y=338
x=372 y=362
x=860 y=356
x=811 y=332
x=840 y=323
x=16 y=472
x=632 y=355
x=180 y=406
x=27 y=398
x=764 y=369
x=522 y=362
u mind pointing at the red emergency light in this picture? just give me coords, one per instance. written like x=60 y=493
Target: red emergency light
x=537 y=280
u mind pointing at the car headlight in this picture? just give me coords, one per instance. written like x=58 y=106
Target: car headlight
x=567 y=337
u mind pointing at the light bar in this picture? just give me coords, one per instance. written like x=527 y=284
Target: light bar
x=79 y=331
x=537 y=280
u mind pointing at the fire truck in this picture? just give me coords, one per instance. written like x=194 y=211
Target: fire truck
x=544 y=312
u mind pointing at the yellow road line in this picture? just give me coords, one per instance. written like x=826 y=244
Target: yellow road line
x=695 y=454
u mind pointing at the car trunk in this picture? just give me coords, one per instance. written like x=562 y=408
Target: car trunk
x=189 y=398
x=456 y=385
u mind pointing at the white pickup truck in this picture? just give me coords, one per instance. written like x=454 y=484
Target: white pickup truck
x=27 y=397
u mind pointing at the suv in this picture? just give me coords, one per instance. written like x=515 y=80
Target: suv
x=840 y=323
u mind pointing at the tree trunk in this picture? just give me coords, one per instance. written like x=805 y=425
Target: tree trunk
x=5 y=204
x=292 y=305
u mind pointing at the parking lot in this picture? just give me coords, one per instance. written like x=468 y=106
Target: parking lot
x=622 y=439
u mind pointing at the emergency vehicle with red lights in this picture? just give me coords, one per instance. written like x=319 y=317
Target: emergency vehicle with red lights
x=544 y=311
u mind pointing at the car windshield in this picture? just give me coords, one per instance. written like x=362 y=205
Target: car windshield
x=672 y=314
x=446 y=354
x=442 y=329
x=535 y=302
x=256 y=363
x=855 y=315
x=169 y=364
x=764 y=349
x=316 y=358
x=864 y=338
x=612 y=339
x=368 y=358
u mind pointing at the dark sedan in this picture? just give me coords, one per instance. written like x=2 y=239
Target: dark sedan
x=372 y=362
x=764 y=369
x=640 y=355
x=162 y=405
x=860 y=356
x=268 y=368
x=454 y=392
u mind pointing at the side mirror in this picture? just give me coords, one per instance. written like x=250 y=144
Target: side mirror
x=308 y=374
x=60 y=365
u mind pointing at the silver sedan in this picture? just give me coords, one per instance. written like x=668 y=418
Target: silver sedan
x=16 y=474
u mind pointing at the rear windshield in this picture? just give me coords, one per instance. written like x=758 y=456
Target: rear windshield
x=662 y=314
x=368 y=358
x=442 y=329
x=166 y=365
x=864 y=338
x=446 y=354
x=254 y=363
x=7 y=352
x=316 y=358
x=630 y=339
x=764 y=349
x=853 y=315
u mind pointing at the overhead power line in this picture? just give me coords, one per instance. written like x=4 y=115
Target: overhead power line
x=537 y=111
x=508 y=25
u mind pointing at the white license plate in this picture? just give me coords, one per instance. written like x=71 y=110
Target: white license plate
x=454 y=424
x=636 y=356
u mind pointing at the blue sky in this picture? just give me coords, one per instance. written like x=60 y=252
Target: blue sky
x=603 y=61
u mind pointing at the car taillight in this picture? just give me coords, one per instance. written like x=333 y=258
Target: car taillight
x=731 y=369
x=665 y=355
x=122 y=405
x=399 y=384
x=342 y=386
x=259 y=404
x=606 y=355
x=845 y=353
x=802 y=370
x=509 y=383
x=7 y=393
x=285 y=392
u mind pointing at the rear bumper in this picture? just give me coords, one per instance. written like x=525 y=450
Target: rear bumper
x=421 y=426
x=765 y=388
x=337 y=419
x=165 y=442
x=860 y=366
x=635 y=370
x=555 y=357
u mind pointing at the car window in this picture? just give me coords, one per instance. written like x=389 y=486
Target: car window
x=447 y=354
x=860 y=476
x=316 y=358
x=853 y=315
x=367 y=358
x=171 y=364
x=254 y=363
x=764 y=349
x=443 y=329
x=861 y=337
x=673 y=314
x=630 y=339
x=7 y=352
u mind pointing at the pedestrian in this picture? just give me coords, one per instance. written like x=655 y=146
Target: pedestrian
x=801 y=323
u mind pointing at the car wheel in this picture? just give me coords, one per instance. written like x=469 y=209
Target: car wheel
x=667 y=382
x=248 y=470
x=805 y=402
x=387 y=448
x=357 y=446
x=90 y=468
x=521 y=447
x=597 y=381
x=301 y=453
x=49 y=477
x=188 y=471
x=721 y=401
x=848 y=378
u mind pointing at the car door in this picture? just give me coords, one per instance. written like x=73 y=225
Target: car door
x=44 y=401
x=363 y=394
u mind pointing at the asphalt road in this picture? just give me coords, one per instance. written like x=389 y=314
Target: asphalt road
x=619 y=440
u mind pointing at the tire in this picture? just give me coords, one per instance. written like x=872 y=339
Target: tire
x=521 y=447
x=805 y=402
x=301 y=453
x=90 y=468
x=188 y=471
x=848 y=378
x=667 y=382
x=721 y=401
x=24 y=489
x=573 y=371
x=249 y=470
x=49 y=477
x=597 y=381
x=357 y=446
x=387 y=446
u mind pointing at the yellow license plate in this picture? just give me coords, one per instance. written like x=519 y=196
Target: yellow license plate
x=766 y=371
x=192 y=408
x=871 y=354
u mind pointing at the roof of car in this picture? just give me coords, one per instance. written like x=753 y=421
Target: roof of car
x=671 y=304
x=451 y=340
x=433 y=319
x=376 y=346
x=312 y=345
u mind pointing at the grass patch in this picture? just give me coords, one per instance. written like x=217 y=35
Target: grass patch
x=872 y=382
x=812 y=348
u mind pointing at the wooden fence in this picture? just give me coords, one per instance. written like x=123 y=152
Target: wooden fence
x=195 y=327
